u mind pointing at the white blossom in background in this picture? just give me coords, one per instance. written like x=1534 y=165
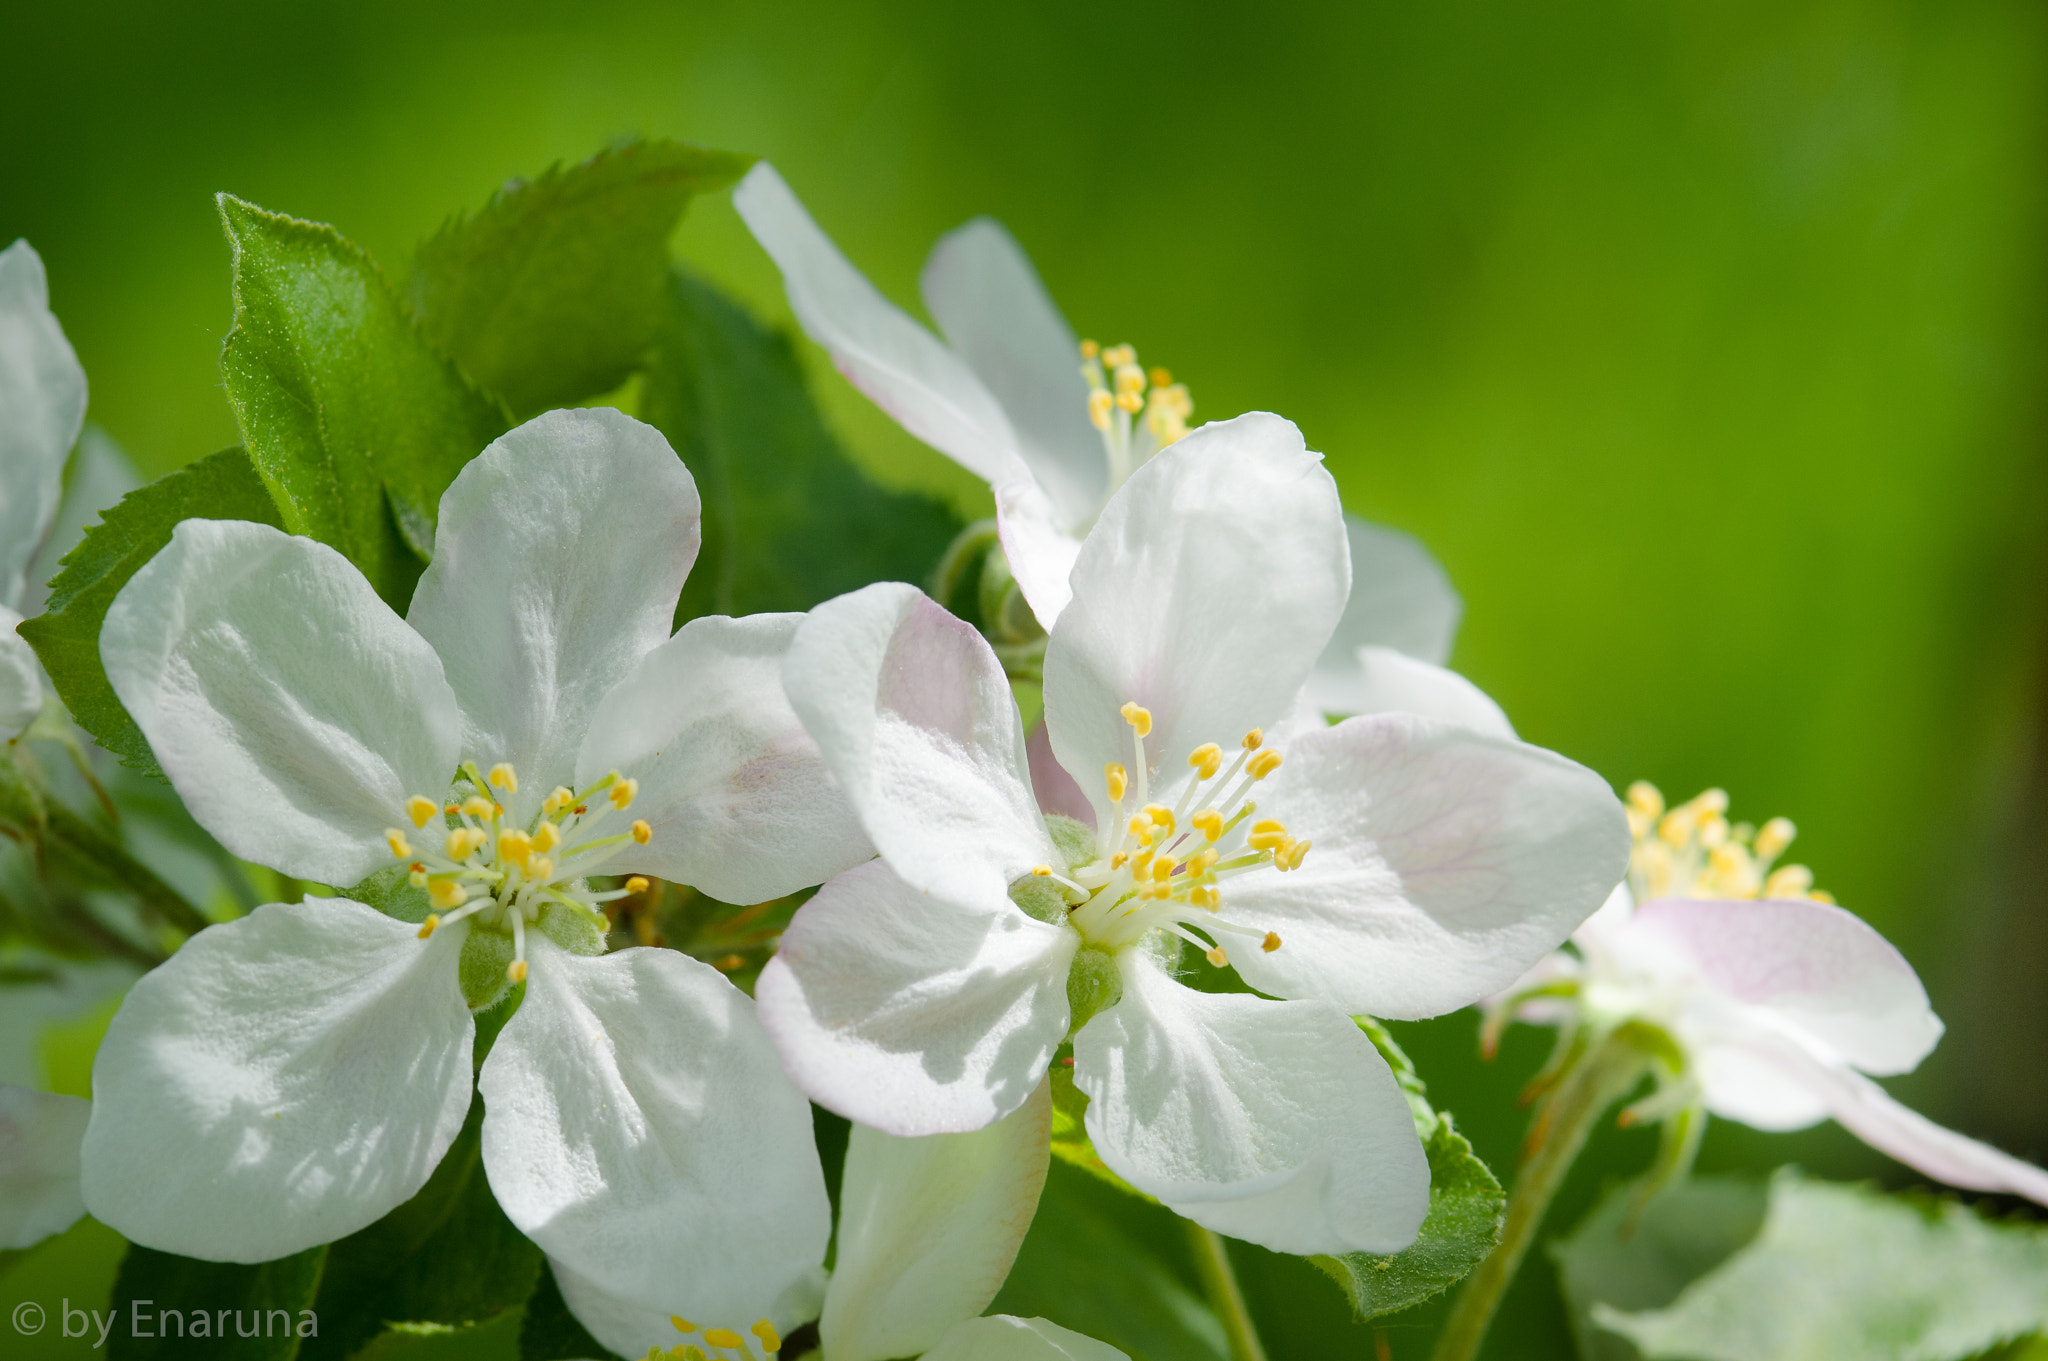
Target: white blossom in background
x=1388 y=865
x=1056 y=426
x=288 y=1078
x=928 y=1230
x=1785 y=1005
x=39 y=1135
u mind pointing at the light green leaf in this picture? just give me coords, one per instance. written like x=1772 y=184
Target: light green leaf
x=352 y=419
x=1846 y=1273
x=1070 y=1141
x=66 y=636
x=789 y=521
x=554 y=291
x=212 y=1311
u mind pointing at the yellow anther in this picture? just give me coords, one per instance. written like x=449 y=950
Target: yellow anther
x=401 y=849
x=1199 y=863
x=497 y=809
x=1160 y=378
x=1252 y=739
x=623 y=793
x=1713 y=831
x=1116 y=862
x=1792 y=881
x=515 y=846
x=1710 y=803
x=1773 y=837
x=427 y=927
x=1160 y=814
x=636 y=884
x=1089 y=349
x=462 y=841
x=540 y=869
x=1116 y=356
x=516 y=971
x=419 y=808
x=1206 y=759
x=682 y=1325
x=1163 y=868
x=1271 y=942
x=1130 y=401
x=1204 y=897
x=477 y=806
x=1676 y=828
x=1267 y=835
x=1217 y=957
x=548 y=837
x=722 y=1337
x=1821 y=895
x=642 y=833
x=1129 y=380
x=1262 y=765
x=1296 y=853
x=452 y=809
x=1644 y=798
x=557 y=801
x=1100 y=404
x=1141 y=862
x=1209 y=822
x=418 y=877
x=1113 y=774
x=1138 y=716
x=446 y=893
x=1042 y=871
x=506 y=778
x=1139 y=825
x=770 y=1339
x=690 y=1353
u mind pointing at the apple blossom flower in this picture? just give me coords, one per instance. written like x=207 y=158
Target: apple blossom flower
x=290 y=1077
x=39 y=1135
x=928 y=1230
x=926 y=992
x=1056 y=426
x=1784 y=1005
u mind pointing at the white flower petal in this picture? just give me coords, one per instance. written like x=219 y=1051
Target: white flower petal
x=39 y=1138
x=738 y=796
x=928 y=1229
x=1815 y=966
x=913 y=1014
x=1744 y=1077
x=99 y=476
x=559 y=556
x=1003 y=1338
x=980 y=288
x=1205 y=593
x=21 y=684
x=903 y=368
x=1274 y=1122
x=284 y=1080
x=638 y=1128
x=1443 y=863
x=1383 y=681
x=917 y=722
x=1040 y=546
x=292 y=710
x=42 y=392
x=631 y=1329
x=1057 y=792
x=1401 y=597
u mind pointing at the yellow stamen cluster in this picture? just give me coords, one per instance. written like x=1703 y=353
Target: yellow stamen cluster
x=720 y=1341
x=1138 y=411
x=1693 y=851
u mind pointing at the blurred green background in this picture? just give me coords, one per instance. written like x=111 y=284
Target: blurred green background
x=1703 y=342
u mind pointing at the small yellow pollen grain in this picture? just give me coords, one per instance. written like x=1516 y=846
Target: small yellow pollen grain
x=1262 y=765
x=1217 y=957
x=636 y=884
x=401 y=849
x=1100 y=404
x=516 y=971
x=477 y=806
x=548 y=837
x=427 y=927
x=1113 y=774
x=682 y=1325
x=1271 y=942
x=1209 y=822
x=623 y=793
x=770 y=1339
x=446 y=893
x=1042 y=871
x=642 y=833
x=1206 y=759
x=1138 y=716
x=1253 y=738
x=722 y=1337
x=1160 y=378
x=419 y=808
x=506 y=778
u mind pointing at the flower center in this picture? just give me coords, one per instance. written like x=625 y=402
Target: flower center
x=1160 y=868
x=1692 y=851
x=505 y=876
x=1139 y=412
x=720 y=1344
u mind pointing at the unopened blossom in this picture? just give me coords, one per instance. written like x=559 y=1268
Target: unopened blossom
x=928 y=1229
x=1784 y=1005
x=1057 y=425
x=1389 y=864
x=39 y=1136
x=288 y=1078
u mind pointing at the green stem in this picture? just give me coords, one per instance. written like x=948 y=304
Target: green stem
x=1226 y=1297
x=80 y=838
x=1602 y=1075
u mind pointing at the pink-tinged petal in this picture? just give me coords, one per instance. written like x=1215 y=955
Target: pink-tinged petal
x=1057 y=792
x=630 y=1328
x=1382 y=681
x=1205 y=593
x=916 y=721
x=1816 y=967
x=39 y=1137
x=1401 y=598
x=1042 y=545
x=1274 y=1122
x=915 y=1015
x=903 y=368
x=1442 y=864
x=42 y=393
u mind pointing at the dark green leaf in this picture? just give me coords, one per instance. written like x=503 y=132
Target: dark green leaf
x=551 y=1332
x=553 y=292
x=350 y=417
x=448 y=1256
x=171 y=1307
x=789 y=521
x=66 y=636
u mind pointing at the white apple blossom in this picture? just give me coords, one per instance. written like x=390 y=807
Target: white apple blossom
x=1785 y=1005
x=290 y=1077
x=39 y=1136
x=928 y=1229
x=1056 y=426
x=926 y=992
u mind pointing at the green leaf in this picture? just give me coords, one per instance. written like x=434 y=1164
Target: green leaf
x=351 y=418
x=1846 y=1273
x=789 y=521
x=221 y=1311
x=1093 y=1262
x=551 y=1332
x=1681 y=1235
x=447 y=1257
x=554 y=291
x=66 y=636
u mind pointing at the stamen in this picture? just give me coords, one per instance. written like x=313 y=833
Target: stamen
x=401 y=849
x=446 y=893
x=516 y=971
x=1042 y=871
x=542 y=870
x=1253 y=738
x=1209 y=822
x=1267 y=834
x=722 y=1337
x=548 y=837
x=557 y=801
x=682 y=1325
x=1792 y=881
x=1100 y=404
x=1262 y=765
x=1113 y=774
x=427 y=927
x=1139 y=717
x=1160 y=814
x=515 y=846
x=636 y=884
x=419 y=808
x=505 y=778
x=1773 y=838
x=642 y=833
x=418 y=877
x=477 y=806
x=1271 y=942
x=1207 y=759
x=1116 y=356
x=770 y=1339
x=1217 y=956
x=623 y=793
x=1160 y=378
x=1089 y=349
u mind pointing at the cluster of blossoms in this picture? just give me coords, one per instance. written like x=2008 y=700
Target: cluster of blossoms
x=1249 y=747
